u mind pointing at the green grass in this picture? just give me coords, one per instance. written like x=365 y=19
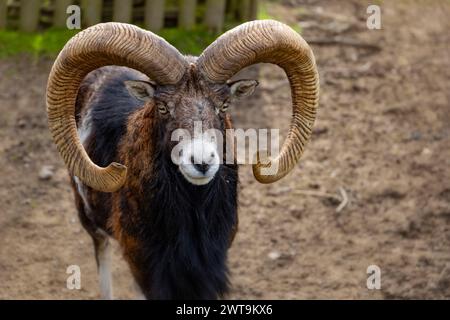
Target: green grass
x=51 y=41
x=189 y=41
x=262 y=13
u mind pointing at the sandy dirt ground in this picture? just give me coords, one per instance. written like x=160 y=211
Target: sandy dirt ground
x=382 y=135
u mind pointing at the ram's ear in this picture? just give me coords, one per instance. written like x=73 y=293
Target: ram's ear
x=242 y=88
x=141 y=90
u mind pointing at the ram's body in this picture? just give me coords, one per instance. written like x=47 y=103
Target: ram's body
x=175 y=235
x=113 y=127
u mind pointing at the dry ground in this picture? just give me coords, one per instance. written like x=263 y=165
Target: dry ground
x=382 y=134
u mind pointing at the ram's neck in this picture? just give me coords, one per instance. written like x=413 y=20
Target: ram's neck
x=186 y=231
x=136 y=148
x=173 y=229
x=136 y=153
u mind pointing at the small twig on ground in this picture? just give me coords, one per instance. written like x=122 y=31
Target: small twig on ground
x=343 y=199
x=319 y=194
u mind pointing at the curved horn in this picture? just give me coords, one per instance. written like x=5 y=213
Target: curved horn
x=271 y=42
x=95 y=47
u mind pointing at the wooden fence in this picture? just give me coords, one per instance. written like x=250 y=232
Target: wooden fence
x=34 y=15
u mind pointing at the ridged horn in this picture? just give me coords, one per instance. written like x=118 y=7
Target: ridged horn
x=273 y=42
x=101 y=45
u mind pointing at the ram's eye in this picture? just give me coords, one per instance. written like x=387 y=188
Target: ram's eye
x=224 y=107
x=162 y=108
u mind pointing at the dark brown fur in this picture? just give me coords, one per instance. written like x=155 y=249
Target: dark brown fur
x=124 y=214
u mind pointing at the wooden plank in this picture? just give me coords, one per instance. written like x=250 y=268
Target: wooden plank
x=123 y=11
x=233 y=5
x=60 y=13
x=29 y=15
x=248 y=10
x=215 y=14
x=253 y=11
x=244 y=10
x=154 y=15
x=3 y=14
x=186 y=14
x=91 y=12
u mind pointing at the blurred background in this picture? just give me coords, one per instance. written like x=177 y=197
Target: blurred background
x=373 y=187
x=202 y=20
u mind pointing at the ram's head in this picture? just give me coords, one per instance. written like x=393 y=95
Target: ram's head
x=183 y=89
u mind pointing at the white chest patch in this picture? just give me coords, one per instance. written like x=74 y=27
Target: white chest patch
x=84 y=132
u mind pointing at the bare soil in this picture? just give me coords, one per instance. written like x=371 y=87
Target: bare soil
x=382 y=135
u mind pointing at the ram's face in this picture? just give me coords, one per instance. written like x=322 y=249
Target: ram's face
x=192 y=114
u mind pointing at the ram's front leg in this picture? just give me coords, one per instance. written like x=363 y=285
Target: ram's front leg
x=103 y=255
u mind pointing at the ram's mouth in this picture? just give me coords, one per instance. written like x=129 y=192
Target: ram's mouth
x=194 y=177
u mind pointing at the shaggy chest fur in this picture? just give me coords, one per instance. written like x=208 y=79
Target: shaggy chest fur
x=183 y=230
x=184 y=233
x=174 y=235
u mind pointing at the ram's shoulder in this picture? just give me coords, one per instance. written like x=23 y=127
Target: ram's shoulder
x=102 y=84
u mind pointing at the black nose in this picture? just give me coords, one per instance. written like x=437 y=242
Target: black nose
x=203 y=167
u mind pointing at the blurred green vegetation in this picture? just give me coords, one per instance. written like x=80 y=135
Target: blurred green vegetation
x=51 y=41
x=189 y=41
x=262 y=12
